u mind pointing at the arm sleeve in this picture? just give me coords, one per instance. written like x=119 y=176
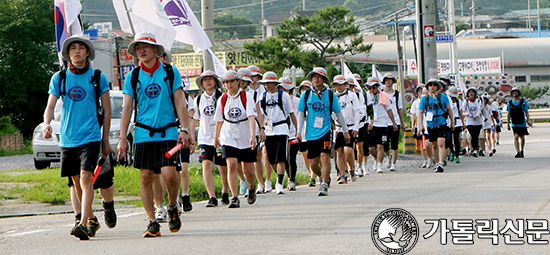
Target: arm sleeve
x=335 y=104
x=342 y=121
x=301 y=118
x=196 y=114
x=218 y=115
x=287 y=104
x=302 y=103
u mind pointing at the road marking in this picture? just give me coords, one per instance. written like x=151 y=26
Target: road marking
x=29 y=232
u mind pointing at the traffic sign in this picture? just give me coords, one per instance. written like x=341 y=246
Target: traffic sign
x=444 y=38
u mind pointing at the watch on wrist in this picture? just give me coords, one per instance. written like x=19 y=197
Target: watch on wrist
x=186 y=130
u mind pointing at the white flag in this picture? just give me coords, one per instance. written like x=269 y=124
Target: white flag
x=67 y=22
x=189 y=30
x=137 y=16
x=346 y=72
x=376 y=74
x=461 y=84
x=219 y=67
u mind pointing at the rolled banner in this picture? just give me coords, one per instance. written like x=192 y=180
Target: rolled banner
x=173 y=151
x=423 y=142
x=98 y=168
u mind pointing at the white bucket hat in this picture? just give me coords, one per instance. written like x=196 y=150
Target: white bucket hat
x=320 y=71
x=168 y=56
x=145 y=37
x=77 y=38
x=206 y=74
x=371 y=81
x=246 y=74
x=230 y=75
x=286 y=83
x=255 y=70
x=269 y=77
x=338 y=79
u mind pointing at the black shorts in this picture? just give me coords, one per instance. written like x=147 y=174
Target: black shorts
x=369 y=140
x=521 y=131
x=83 y=157
x=208 y=152
x=394 y=137
x=419 y=137
x=303 y=146
x=341 y=142
x=105 y=178
x=243 y=155
x=498 y=129
x=379 y=136
x=437 y=132
x=316 y=147
x=150 y=155
x=277 y=148
x=183 y=155
x=361 y=134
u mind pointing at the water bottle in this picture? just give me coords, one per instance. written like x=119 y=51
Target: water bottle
x=219 y=152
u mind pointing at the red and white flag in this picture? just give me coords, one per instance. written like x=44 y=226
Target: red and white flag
x=189 y=30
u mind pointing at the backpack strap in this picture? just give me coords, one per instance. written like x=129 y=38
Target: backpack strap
x=224 y=100
x=96 y=79
x=62 y=78
x=134 y=80
x=199 y=104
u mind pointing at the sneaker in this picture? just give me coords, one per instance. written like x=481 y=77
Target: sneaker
x=457 y=160
x=109 y=214
x=329 y=181
x=481 y=153
x=76 y=222
x=323 y=190
x=343 y=179
x=424 y=164
x=251 y=199
x=260 y=189
x=474 y=154
x=494 y=151
x=352 y=175
x=279 y=189
x=379 y=169
x=153 y=229
x=225 y=198
x=393 y=168
x=439 y=168
x=175 y=222
x=312 y=182
x=212 y=202
x=431 y=163
x=161 y=214
x=93 y=226
x=444 y=162
x=291 y=186
x=268 y=187
x=367 y=171
x=360 y=172
x=522 y=156
x=498 y=143
x=243 y=187
x=518 y=155
x=490 y=153
x=179 y=205
x=451 y=157
x=388 y=162
x=235 y=202
x=81 y=232
x=186 y=203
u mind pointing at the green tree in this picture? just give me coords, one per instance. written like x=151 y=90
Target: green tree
x=328 y=31
x=27 y=60
x=229 y=26
x=533 y=93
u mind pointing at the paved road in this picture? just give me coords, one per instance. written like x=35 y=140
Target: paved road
x=500 y=187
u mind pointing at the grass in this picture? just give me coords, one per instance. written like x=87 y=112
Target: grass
x=27 y=149
x=46 y=186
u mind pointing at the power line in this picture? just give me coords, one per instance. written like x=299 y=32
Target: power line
x=244 y=5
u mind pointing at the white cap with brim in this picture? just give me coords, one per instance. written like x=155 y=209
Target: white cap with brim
x=320 y=71
x=255 y=70
x=269 y=77
x=230 y=75
x=246 y=74
x=453 y=92
x=144 y=37
x=515 y=89
x=206 y=74
x=372 y=81
x=434 y=81
x=77 y=38
x=304 y=83
x=286 y=83
x=339 y=79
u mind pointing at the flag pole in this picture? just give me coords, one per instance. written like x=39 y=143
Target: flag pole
x=129 y=19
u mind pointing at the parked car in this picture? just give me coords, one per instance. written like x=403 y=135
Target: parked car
x=46 y=151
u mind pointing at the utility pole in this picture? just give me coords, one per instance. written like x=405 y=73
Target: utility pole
x=452 y=29
x=263 y=27
x=427 y=57
x=303 y=5
x=399 y=56
x=474 y=17
x=529 y=16
x=538 y=18
x=207 y=12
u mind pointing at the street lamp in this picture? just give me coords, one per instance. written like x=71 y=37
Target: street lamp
x=293 y=73
x=406 y=29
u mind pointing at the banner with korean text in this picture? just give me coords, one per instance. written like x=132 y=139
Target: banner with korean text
x=465 y=66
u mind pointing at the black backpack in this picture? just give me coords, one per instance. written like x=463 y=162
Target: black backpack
x=134 y=80
x=264 y=104
x=95 y=81
x=439 y=104
x=330 y=98
x=217 y=94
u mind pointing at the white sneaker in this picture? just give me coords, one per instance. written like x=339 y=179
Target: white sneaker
x=268 y=187
x=291 y=186
x=425 y=164
x=260 y=189
x=431 y=163
x=161 y=214
x=279 y=189
x=179 y=205
x=392 y=168
x=388 y=162
x=379 y=169
x=367 y=172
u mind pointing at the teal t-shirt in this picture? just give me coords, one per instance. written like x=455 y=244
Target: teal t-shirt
x=318 y=107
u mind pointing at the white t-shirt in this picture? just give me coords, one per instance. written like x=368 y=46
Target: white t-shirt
x=236 y=135
x=292 y=132
x=363 y=111
x=414 y=110
x=456 y=116
x=205 y=114
x=350 y=107
x=488 y=122
x=256 y=95
x=395 y=106
x=472 y=109
x=273 y=113
x=381 y=117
